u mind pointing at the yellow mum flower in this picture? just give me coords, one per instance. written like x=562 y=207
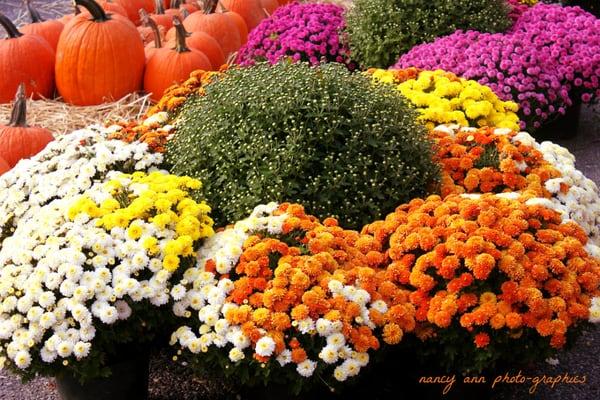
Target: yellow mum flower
x=135 y=231
x=171 y=263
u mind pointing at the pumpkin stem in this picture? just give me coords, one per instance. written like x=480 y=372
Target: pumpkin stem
x=159 y=7
x=10 y=28
x=150 y=23
x=181 y=35
x=33 y=13
x=210 y=6
x=94 y=8
x=223 y=8
x=18 y=116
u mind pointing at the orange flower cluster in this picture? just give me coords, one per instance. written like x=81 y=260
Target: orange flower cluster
x=483 y=161
x=176 y=95
x=402 y=75
x=490 y=264
x=151 y=132
x=279 y=286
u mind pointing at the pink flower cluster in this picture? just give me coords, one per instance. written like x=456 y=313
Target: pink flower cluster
x=549 y=58
x=516 y=9
x=299 y=32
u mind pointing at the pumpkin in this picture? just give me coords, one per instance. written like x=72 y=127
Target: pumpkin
x=25 y=58
x=49 y=30
x=269 y=6
x=251 y=10
x=171 y=66
x=132 y=7
x=4 y=167
x=283 y=2
x=206 y=44
x=111 y=7
x=189 y=5
x=217 y=25
x=151 y=47
x=17 y=140
x=98 y=59
x=240 y=24
x=161 y=18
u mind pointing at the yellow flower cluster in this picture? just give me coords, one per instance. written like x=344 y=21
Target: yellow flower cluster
x=143 y=203
x=443 y=98
x=529 y=2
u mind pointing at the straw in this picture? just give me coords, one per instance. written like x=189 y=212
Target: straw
x=61 y=118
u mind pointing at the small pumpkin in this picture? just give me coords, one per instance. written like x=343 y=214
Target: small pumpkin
x=161 y=18
x=67 y=17
x=25 y=58
x=17 y=140
x=169 y=66
x=98 y=59
x=151 y=47
x=49 y=30
x=217 y=25
x=205 y=44
x=111 y=7
x=251 y=10
x=239 y=22
x=189 y=5
x=269 y=6
x=132 y=7
x=4 y=167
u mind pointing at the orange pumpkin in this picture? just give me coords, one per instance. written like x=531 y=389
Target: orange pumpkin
x=269 y=6
x=98 y=59
x=251 y=10
x=111 y=7
x=205 y=44
x=171 y=66
x=217 y=25
x=25 y=58
x=132 y=7
x=240 y=24
x=151 y=47
x=161 y=18
x=4 y=167
x=17 y=140
x=49 y=30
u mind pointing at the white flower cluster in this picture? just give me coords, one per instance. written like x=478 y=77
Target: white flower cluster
x=65 y=168
x=203 y=293
x=57 y=276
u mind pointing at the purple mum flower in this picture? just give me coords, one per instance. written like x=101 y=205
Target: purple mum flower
x=550 y=58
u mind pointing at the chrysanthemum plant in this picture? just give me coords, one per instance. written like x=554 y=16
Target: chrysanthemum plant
x=89 y=253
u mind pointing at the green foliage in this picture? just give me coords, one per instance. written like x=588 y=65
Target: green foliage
x=323 y=137
x=382 y=30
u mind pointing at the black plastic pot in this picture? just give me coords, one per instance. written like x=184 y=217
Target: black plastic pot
x=563 y=127
x=128 y=381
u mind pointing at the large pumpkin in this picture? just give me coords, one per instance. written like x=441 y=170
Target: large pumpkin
x=169 y=66
x=49 y=30
x=25 y=58
x=217 y=25
x=17 y=140
x=98 y=59
x=133 y=7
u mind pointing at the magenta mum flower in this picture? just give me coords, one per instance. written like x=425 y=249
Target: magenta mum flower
x=299 y=32
x=549 y=58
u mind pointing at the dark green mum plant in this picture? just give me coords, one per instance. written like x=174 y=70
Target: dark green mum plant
x=321 y=136
x=382 y=30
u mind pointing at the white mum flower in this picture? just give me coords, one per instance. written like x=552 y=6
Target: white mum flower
x=306 y=368
x=265 y=346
